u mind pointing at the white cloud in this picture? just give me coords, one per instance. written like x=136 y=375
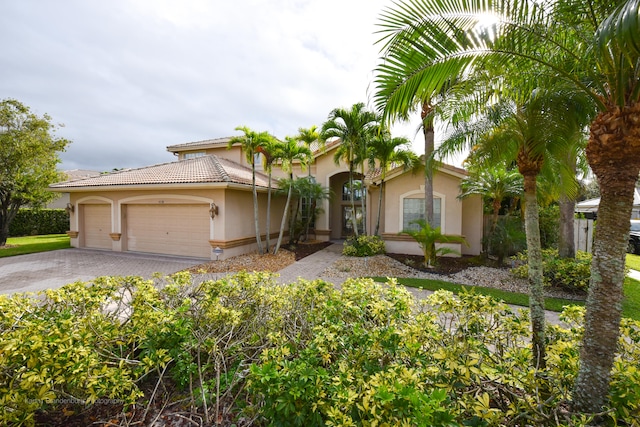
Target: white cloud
x=129 y=77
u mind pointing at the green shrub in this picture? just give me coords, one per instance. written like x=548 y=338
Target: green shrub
x=245 y=349
x=565 y=273
x=507 y=239
x=32 y=222
x=549 y=223
x=364 y=246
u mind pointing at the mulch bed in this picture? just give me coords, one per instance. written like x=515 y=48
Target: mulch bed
x=444 y=265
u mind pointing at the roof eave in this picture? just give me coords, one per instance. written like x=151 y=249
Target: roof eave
x=166 y=186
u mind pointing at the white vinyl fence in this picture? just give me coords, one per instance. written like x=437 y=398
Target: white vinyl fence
x=583 y=234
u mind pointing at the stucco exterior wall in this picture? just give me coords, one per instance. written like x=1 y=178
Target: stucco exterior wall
x=232 y=229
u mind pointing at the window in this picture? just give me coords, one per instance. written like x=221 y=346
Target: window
x=193 y=155
x=357 y=190
x=413 y=209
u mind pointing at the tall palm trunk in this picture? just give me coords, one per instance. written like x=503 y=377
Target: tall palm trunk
x=284 y=214
x=534 y=257
x=429 y=146
x=354 y=219
x=363 y=200
x=380 y=205
x=566 y=243
x=613 y=152
x=268 y=225
x=255 y=209
x=529 y=168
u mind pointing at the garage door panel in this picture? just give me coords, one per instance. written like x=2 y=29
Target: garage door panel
x=169 y=229
x=97 y=226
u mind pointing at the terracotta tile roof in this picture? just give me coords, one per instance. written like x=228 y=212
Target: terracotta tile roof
x=205 y=169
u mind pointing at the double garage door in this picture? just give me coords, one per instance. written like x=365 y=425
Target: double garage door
x=169 y=229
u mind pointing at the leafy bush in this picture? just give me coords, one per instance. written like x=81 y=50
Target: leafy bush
x=427 y=236
x=364 y=246
x=549 y=223
x=31 y=222
x=246 y=350
x=565 y=273
x=507 y=239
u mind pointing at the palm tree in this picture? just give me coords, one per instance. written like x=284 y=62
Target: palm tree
x=354 y=128
x=592 y=45
x=524 y=134
x=251 y=143
x=271 y=150
x=388 y=152
x=495 y=184
x=427 y=237
x=309 y=136
x=290 y=151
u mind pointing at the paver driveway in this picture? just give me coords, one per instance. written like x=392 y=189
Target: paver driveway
x=48 y=270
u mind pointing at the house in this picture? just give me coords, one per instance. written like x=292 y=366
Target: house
x=589 y=208
x=201 y=205
x=62 y=201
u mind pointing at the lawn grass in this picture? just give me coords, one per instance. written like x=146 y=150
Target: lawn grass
x=630 y=304
x=633 y=262
x=33 y=244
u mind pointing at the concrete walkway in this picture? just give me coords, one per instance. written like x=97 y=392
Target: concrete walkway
x=311 y=267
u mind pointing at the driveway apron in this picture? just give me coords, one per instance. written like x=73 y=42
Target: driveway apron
x=49 y=270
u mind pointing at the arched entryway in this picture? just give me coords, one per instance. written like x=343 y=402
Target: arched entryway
x=341 y=213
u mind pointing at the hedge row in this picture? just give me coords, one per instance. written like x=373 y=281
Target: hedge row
x=33 y=222
x=247 y=351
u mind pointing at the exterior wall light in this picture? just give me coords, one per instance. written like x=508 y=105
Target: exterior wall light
x=213 y=210
x=70 y=208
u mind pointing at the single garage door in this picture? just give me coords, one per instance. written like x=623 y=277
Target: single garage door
x=97 y=226
x=169 y=229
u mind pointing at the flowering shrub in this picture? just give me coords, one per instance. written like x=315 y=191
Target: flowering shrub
x=364 y=246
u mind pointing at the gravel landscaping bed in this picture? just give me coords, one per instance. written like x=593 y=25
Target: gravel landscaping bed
x=455 y=270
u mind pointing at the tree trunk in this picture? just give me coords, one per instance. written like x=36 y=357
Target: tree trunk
x=429 y=146
x=566 y=243
x=284 y=216
x=613 y=153
x=9 y=210
x=268 y=225
x=534 y=257
x=363 y=202
x=354 y=220
x=380 y=206
x=255 y=209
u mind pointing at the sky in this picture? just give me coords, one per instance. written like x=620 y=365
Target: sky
x=127 y=78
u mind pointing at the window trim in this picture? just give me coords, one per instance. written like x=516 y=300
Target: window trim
x=193 y=155
x=407 y=195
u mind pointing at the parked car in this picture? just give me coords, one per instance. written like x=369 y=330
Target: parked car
x=634 y=237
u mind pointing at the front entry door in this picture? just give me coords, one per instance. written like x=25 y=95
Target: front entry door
x=347 y=221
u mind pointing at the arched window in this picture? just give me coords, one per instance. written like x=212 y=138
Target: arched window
x=357 y=190
x=413 y=209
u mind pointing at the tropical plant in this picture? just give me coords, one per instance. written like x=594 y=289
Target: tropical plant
x=494 y=183
x=289 y=152
x=28 y=155
x=353 y=128
x=309 y=136
x=591 y=45
x=427 y=237
x=271 y=150
x=388 y=152
x=251 y=143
